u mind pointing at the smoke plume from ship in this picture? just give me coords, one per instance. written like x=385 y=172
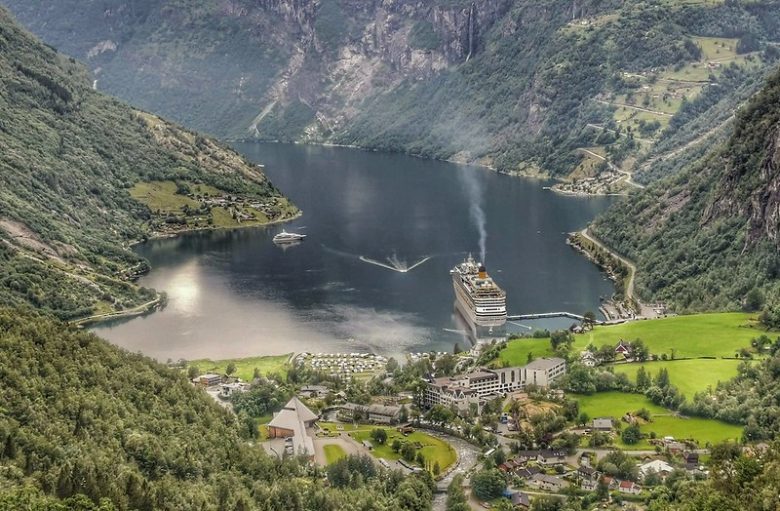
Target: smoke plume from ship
x=475 y=196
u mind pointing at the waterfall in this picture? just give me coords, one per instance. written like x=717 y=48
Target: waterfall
x=472 y=21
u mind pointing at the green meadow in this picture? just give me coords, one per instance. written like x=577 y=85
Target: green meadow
x=245 y=367
x=432 y=448
x=699 y=335
x=689 y=376
x=516 y=352
x=663 y=422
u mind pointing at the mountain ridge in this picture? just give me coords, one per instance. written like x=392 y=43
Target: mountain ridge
x=516 y=86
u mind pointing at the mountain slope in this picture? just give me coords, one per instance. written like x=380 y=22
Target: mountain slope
x=79 y=176
x=519 y=85
x=707 y=237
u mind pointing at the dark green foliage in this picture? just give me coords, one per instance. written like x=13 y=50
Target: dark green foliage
x=619 y=464
x=423 y=36
x=631 y=435
x=739 y=481
x=456 y=497
x=488 y=484
x=264 y=398
x=348 y=470
x=770 y=317
x=86 y=426
x=379 y=435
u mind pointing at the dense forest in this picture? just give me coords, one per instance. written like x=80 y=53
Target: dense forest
x=519 y=85
x=68 y=159
x=85 y=425
x=708 y=237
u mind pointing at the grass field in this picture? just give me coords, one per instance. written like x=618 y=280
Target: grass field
x=689 y=376
x=333 y=453
x=434 y=449
x=616 y=404
x=245 y=367
x=700 y=335
x=516 y=352
x=161 y=196
x=339 y=427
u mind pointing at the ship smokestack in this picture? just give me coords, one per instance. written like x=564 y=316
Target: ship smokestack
x=482 y=272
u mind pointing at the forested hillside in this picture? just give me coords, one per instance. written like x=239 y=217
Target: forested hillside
x=560 y=87
x=82 y=421
x=708 y=237
x=82 y=175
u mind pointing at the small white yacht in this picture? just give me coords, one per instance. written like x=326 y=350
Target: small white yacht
x=288 y=237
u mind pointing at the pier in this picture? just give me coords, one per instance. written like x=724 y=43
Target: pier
x=546 y=315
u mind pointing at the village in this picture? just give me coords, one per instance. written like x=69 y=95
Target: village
x=478 y=415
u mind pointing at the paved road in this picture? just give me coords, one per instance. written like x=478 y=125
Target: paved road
x=468 y=455
x=344 y=441
x=628 y=176
x=634 y=107
x=629 y=292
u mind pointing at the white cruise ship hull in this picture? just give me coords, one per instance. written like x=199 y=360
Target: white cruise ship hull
x=487 y=312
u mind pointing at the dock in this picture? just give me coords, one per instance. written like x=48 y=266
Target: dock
x=547 y=315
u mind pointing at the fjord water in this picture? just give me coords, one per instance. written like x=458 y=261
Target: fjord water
x=235 y=293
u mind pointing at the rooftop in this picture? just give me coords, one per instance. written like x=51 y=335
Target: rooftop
x=294 y=417
x=545 y=363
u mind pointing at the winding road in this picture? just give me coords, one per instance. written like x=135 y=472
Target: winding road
x=614 y=168
x=629 y=291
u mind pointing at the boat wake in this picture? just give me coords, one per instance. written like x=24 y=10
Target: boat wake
x=393 y=263
x=390 y=263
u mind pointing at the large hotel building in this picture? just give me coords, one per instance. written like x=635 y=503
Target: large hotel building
x=464 y=390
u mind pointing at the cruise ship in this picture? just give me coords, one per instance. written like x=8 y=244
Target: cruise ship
x=288 y=237
x=477 y=297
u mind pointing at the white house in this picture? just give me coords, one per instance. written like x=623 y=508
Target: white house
x=659 y=467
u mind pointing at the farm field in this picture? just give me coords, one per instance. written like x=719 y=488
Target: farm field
x=245 y=367
x=699 y=335
x=664 y=423
x=689 y=376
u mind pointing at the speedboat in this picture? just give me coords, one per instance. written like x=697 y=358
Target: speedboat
x=288 y=237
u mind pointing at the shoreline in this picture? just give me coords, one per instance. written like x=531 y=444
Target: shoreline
x=160 y=297
x=538 y=176
x=159 y=236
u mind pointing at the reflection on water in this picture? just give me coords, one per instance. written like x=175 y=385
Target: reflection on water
x=236 y=293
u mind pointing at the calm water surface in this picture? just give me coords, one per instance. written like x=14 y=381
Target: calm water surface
x=236 y=294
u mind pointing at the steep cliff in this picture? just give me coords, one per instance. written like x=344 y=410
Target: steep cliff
x=708 y=237
x=520 y=85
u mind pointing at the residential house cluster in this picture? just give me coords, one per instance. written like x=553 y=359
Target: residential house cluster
x=590 y=478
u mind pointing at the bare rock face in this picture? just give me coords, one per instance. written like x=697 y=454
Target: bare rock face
x=750 y=183
x=763 y=207
x=379 y=52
